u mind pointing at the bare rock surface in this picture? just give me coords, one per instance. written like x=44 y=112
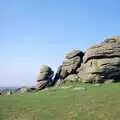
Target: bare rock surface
x=72 y=61
x=98 y=64
x=102 y=62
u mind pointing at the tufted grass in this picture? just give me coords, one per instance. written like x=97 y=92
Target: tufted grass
x=91 y=103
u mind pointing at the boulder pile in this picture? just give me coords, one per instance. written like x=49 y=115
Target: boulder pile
x=98 y=64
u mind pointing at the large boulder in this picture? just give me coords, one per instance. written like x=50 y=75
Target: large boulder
x=71 y=63
x=102 y=62
x=45 y=77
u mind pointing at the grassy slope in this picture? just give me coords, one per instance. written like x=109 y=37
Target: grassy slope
x=94 y=103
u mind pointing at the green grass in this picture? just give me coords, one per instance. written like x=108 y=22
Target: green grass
x=93 y=103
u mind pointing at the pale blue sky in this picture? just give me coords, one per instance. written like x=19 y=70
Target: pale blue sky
x=35 y=32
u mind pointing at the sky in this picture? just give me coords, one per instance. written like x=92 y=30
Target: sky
x=36 y=32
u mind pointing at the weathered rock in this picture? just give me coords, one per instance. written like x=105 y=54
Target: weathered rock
x=74 y=53
x=71 y=63
x=69 y=66
x=72 y=78
x=102 y=62
x=45 y=77
x=110 y=48
x=45 y=73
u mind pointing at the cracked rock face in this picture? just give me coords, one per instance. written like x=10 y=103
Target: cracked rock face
x=102 y=62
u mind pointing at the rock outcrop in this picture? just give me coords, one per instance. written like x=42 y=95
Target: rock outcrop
x=102 y=62
x=45 y=77
x=72 y=61
x=99 y=64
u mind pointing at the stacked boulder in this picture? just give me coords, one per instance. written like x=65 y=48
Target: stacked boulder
x=102 y=62
x=45 y=77
x=99 y=64
x=70 y=65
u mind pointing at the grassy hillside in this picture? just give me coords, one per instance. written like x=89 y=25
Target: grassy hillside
x=90 y=103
